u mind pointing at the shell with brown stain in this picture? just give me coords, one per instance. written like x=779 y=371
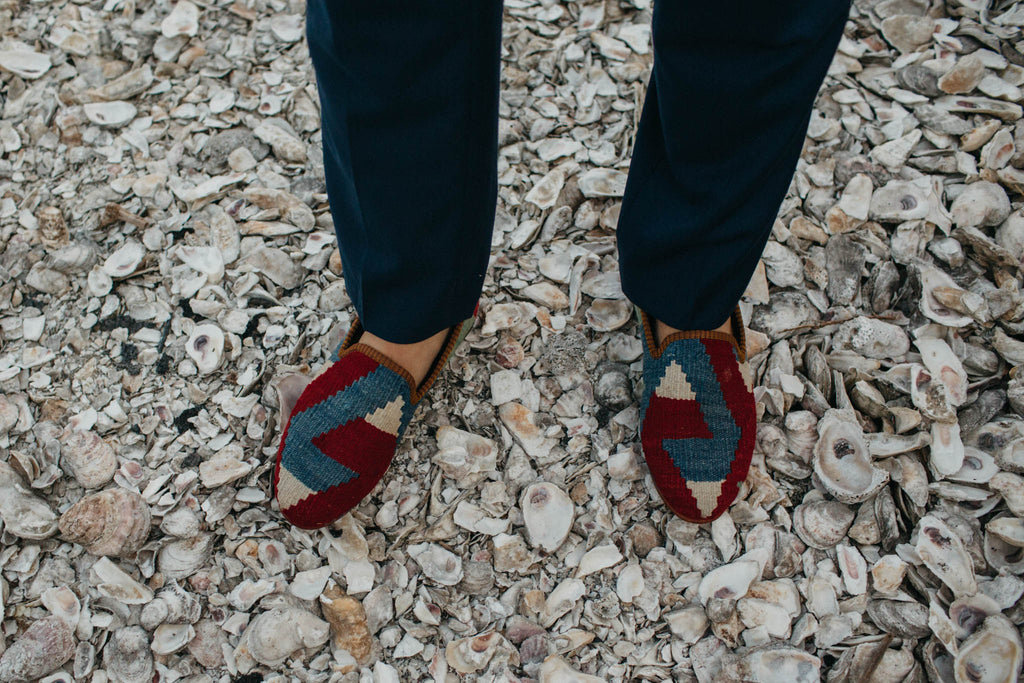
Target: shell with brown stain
x=842 y=460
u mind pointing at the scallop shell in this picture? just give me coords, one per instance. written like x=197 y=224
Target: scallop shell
x=127 y=657
x=944 y=554
x=90 y=458
x=548 y=513
x=114 y=522
x=274 y=636
x=205 y=346
x=992 y=655
x=45 y=645
x=842 y=460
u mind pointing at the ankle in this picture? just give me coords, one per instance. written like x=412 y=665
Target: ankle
x=416 y=358
x=661 y=330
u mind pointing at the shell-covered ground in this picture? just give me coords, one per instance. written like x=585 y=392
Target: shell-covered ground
x=167 y=260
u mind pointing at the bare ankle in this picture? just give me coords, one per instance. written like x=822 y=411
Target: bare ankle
x=416 y=358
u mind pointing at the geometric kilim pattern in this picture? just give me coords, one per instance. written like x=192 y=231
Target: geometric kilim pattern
x=340 y=439
x=697 y=419
x=345 y=427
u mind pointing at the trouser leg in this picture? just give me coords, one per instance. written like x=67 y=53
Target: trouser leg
x=409 y=107
x=722 y=127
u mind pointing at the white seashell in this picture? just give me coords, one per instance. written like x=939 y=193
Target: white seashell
x=522 y=423
x=438 y=564
x=173 y=605
x=978 y=468
x=1008 y=529
x=112 y=581
x=822 y=524
x=931 y=279
x=205 y=346
x=25 y=63
x=286 y=27
x=181 y=522
x=728 y=582
x=688 y=623
x=930 y=396
x=169 y=638
x=469 y=655
x=90 y=458
x=62 y=603
x=183 y=20
x=224 y=467
x=309 y=584
x=780 y=664
x=99 y=282
x=562 y=599
x=24 y=514
x=127 y=657
x=943 y=364
x=274 y=636
x=943 y=553
x=992 y=655
x=464 y=456
x=598 y=558
x=842 y=460
x=179 y=559
x=602 y=182
x=114 y=522
x=556 y=670
x=608 y=315
x=548 y=513
x=110 y=114
x=980 y=204
x=224 y=235
x=545 y=192
x=757 y=613
x=947 y=450
x=630 y=583
x=124 y=260
x=205 y=260
x=872 y=338
x=45 y=645
x=853 y=568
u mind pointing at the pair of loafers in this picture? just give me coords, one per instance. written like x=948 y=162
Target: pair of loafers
x=697 y=418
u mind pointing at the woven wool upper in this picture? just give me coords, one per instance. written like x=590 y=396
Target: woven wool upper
x=697 y=425
x=356 y=408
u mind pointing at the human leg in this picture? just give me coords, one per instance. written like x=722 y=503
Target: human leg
x=722 y=128
x=409 y=123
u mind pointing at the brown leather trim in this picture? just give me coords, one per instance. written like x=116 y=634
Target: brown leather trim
x=738 y=338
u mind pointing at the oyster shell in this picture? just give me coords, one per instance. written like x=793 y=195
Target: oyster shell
x=127 y=657
x=89 y=457
x=993 y=653
x=114 y=522
x=944 y=554
x=45 y=645
x=842 y=460
x=274 y=636
x=548 y=514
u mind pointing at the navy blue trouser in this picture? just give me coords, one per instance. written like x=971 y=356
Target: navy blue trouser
x=409 y=102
